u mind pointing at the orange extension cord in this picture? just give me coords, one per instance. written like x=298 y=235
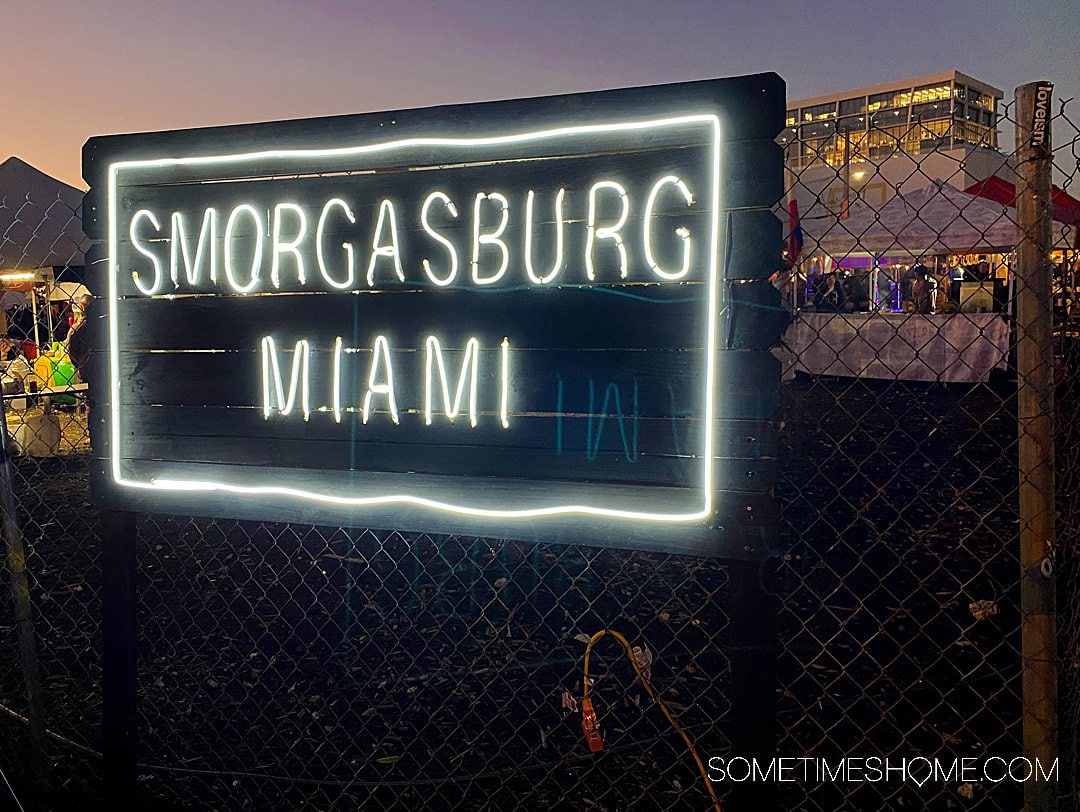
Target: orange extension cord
x=656 y=698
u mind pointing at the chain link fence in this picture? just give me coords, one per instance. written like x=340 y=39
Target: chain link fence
x=900 y=494
x=1067 y=435
x=296 y=667
x=41 y=268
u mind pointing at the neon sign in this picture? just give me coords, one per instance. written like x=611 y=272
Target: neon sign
x=416 y=324
x=490 y=251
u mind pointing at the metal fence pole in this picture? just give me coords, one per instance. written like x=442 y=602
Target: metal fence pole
x=1035 y=412
x=753 y=681
x=20 y=594
x=118 y=657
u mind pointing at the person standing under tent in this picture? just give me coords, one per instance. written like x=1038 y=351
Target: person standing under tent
x=78 y=341
x=829 y=296
x=922 y=290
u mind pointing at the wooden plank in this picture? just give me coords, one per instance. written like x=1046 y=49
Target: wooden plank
x=537 y=465
x=423 y=148
x=554 y=417
x=462 y=460
x=460 y=173
x=542 y=383
x=639 y=318
x=757 y=315
x=739 y=527
x=668 y=383
x=754 y=244
x=461 y=177
x=751 y=248
x=655 y=450
x=572 y=434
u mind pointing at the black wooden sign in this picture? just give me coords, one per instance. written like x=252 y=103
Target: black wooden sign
x=523 y=319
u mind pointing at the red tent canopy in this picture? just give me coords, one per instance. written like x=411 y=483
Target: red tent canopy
x=1066 y=207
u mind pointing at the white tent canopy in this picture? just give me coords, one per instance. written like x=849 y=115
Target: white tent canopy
x=40 y=220
x=937 y=219
x=68 y=292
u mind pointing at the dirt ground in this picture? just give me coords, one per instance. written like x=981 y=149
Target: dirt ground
x=313 y=668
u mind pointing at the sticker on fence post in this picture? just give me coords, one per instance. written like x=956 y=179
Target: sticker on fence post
x=501 y=318
x=1041 y=117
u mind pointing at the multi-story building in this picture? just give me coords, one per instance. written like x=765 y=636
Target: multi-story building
x=873 y=142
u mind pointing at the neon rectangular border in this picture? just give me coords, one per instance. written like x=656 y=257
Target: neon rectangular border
x=188 y=485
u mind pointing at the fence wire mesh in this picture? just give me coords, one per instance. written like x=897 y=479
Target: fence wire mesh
x=292 y=667
x=401 y=670
x=899 y=484
x=1067 y=447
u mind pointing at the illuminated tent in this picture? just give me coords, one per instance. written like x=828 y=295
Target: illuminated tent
x=68 y=292
x=937 y=219
x=41 y=240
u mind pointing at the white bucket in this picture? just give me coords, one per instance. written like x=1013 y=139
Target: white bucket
x=38 y=435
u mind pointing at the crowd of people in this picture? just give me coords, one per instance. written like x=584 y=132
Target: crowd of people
x=921 y=290
x=917 y=289
x=55 y=322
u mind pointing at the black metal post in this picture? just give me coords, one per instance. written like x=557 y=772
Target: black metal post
x=753 y=681
x=118 y=631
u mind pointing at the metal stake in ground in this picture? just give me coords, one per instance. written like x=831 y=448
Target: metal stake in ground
x=1035 y=412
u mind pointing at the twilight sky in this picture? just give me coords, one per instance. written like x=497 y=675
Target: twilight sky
x=69 y=70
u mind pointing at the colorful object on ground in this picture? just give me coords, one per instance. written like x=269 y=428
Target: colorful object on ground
x=590 y=726
x=795 y=235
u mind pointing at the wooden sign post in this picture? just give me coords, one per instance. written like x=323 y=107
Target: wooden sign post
x=544 y=319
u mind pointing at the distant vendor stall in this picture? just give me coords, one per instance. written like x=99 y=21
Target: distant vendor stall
x=938 y=219
x=876 y=334
x=42 y=256
x=957 y=347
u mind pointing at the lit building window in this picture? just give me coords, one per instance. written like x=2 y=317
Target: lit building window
x=930 y=93
x=919 y=119
x=819 y=112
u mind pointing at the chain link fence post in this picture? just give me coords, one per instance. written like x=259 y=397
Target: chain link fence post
x=1035 y=391
x=20 y=595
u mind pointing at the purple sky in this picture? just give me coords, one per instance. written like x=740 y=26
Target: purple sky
x=76 y=69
